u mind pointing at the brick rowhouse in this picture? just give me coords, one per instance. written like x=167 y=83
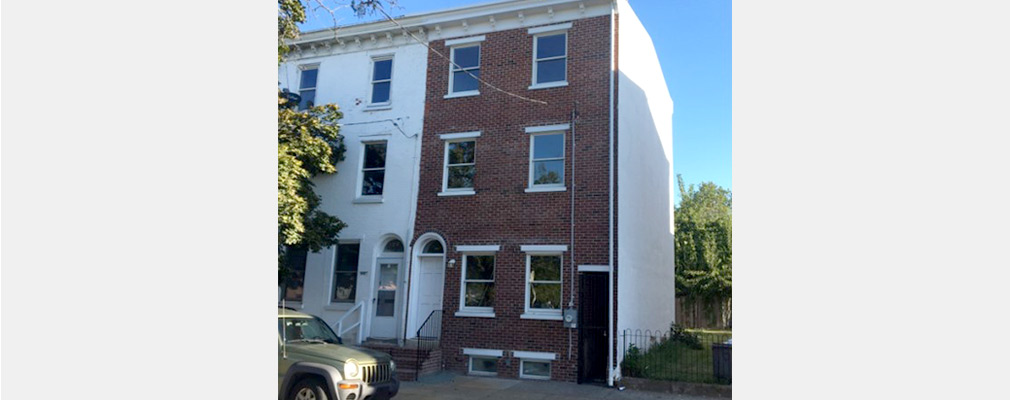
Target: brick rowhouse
x=501 y=212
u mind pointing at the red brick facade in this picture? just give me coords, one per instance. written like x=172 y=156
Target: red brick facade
x=501 y=212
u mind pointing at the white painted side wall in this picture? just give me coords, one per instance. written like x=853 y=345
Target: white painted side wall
x=344 y=79
x=645 y=279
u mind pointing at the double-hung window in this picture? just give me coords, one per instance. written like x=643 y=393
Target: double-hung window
x=345 y=274
x=382 y=80
x=307 y=86
x=550 y=56
x=460 y=163
x=543 y=281
x=477 y=286
x=373 y=168
x=547 y=158
x=465 y=69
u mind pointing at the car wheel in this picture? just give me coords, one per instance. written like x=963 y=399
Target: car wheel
x=309 y=389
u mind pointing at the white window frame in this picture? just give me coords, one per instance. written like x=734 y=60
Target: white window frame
x=471 y=371
x=371 y=198
x=462 y=44
x=373 y=81
x=523 y=375
x=456 y=138
x=537 y=33
x=546 y=187
x=543 y=250
x=464 y=311
x=301 y=70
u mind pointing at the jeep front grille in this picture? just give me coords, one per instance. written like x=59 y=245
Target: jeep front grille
x=376 y=373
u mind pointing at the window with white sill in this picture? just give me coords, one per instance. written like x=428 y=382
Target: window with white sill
x=547 y=160
x=543 y=285
x=550 y=58
x=478 y=283
x=373 y=168
x=460 y=165
x=307 y=87
x=464 y=69
x=382 y=80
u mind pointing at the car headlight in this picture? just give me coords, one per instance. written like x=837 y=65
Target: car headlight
x=392 y=365
x=351 y=369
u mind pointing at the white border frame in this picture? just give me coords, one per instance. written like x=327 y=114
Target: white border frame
x=464 y=311
x=470 y=371
x=456 y=138
x=523 y=375
x=462 y=44
x=315 y=89
x=532 y=313
x=548 y=187
x=413 y=293
x=533 y=78
x=371 y=81
x=331 y=296
x=371 y=198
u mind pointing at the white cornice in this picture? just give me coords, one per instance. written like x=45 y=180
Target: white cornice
x=447 y=24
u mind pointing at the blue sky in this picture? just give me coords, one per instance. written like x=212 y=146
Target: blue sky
x=694 y=41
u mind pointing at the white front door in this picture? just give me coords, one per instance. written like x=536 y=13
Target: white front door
x=430 y=284
x=385 y=300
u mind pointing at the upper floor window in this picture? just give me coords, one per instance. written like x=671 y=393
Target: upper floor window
x=382 y=79
x=550 y=55
x=373 y=170
x=345 y=273
x=460 y=163
x=465 y=68
x=307 y=87
x=547 y=160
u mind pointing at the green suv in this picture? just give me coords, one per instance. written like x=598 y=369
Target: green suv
x=314 y=364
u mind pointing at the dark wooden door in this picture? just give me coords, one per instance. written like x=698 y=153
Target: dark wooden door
x=593 y=340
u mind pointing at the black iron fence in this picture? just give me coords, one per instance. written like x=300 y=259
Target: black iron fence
x=687 y=355
x=427 y=336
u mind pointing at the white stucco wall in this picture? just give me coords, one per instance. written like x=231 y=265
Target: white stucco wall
x=344 y=79
x=645 y=283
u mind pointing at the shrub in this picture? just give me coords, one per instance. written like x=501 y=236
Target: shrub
x=680 y=335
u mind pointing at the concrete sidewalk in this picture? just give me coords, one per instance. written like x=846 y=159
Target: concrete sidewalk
x=447 y=385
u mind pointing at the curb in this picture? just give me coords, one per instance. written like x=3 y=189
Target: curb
x=696 y=389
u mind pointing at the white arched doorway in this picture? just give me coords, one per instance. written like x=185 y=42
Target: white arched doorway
x=428 y=280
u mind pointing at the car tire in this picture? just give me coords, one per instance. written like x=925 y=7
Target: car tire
x=309 y=389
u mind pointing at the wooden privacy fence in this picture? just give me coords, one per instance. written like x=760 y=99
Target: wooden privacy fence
x=702 y=314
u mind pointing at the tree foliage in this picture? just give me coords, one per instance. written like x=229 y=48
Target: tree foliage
x=704 y=241
x=308 y=144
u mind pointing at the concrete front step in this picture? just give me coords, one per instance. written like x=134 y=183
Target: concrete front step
x=406 y=359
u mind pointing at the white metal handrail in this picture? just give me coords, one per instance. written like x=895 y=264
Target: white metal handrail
x=360 y=307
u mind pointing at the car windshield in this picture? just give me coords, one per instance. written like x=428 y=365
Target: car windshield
x=306 y=330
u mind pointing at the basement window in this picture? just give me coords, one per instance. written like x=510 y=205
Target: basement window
x=487 y=366
x=535 y=369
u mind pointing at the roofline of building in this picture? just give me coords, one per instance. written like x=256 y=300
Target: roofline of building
x=435 y=20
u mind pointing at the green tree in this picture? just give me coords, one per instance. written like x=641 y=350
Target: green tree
x=308 y=144
x=704 y=242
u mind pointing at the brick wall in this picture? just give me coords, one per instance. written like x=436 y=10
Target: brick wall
x=501 y=213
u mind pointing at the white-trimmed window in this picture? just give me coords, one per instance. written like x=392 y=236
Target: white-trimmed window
x=307 y=86
x=477 y=288
x=345 y=273
x=550 y=58
x=460 y=163
x=544 y=271
x=373 y=168
x=478 y=283
x=464 y=70
x=547 y=160
x=382 y=80
x=534 y=365
x=482 y=361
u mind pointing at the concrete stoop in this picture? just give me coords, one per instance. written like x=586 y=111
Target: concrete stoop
x=406 y=359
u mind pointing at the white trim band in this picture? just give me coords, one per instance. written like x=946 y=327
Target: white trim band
x=466 y=40
x=548 y=128
x=483 y=352
x=535 y=355
x=542 y=248
x=461 y=135
x=550 y=28
x=594 y=268
x=475 y=249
